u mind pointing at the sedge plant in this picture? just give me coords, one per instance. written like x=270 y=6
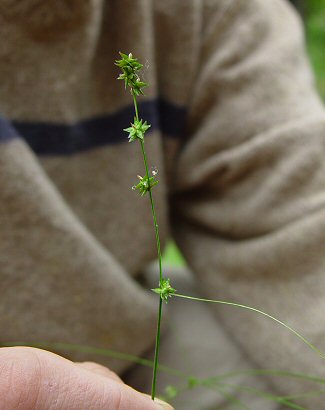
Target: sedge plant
x=131 y=69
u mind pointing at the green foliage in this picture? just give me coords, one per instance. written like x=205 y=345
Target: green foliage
x=171 y=392
x=314 y=6
x=172 y=256
x=315 y=30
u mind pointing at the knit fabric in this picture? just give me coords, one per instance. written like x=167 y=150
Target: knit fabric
x=238 y=136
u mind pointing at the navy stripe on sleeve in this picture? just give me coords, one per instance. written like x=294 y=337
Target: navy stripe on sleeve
x=61 y=139
x=7 y=131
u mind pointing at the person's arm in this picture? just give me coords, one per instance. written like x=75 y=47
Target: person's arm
x=57 y=282
x=249 y=198
x=39 y=380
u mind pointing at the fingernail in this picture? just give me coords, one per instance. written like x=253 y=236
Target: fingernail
x=163 y=405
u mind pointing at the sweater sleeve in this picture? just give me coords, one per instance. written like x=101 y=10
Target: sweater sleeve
x=248 y=204
x=58 y=283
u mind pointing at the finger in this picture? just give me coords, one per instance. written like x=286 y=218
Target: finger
x=132 y=399
x=104 y=371
x=37 y=379
x=99 y=369
x=164 y=405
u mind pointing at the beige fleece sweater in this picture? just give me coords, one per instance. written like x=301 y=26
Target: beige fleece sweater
x=238 y=136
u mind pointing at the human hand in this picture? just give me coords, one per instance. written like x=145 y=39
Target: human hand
x=35 y=379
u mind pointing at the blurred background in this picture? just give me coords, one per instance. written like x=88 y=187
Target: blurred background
x=313 y=14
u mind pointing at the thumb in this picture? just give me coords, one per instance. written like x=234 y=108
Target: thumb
x=104 y=371
x=163 y=405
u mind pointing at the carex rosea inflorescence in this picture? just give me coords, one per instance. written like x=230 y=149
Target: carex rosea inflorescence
x=131 y=67
x=130 y=75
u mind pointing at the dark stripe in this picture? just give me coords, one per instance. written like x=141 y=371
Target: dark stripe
x=172 y=118
x=7 y=131
x=59 y=139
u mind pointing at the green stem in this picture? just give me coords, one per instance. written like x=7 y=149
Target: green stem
x=286 y=400
x=314 y=393
x=153 y=213
x=223 y=302
x=157 y=343
x=231 y=398
x=135 y=106
x=267 y=372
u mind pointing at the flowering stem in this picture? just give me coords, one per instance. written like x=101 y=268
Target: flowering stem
x=135 y=106
x=130 y=67
x=153 y=212
x=157 y=344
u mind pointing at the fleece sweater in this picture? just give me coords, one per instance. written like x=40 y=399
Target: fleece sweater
x=238 y=137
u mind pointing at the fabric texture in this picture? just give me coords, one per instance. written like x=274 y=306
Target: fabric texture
x=238 y=138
